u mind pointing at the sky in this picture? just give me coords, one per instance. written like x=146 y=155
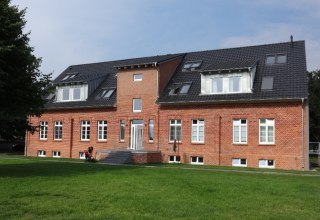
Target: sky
x=69 y=32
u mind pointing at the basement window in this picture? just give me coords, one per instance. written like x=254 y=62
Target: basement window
x=191 y=65
x=174 y=159
x=182 y=88
x=41 y=153
x=56 y=154
x=266 y=163
x=239 y=162
x=196 y=160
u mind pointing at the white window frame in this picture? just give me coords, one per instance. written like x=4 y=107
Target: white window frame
x=266 y=162
x=122 y=132
x=85 y=130
x=197 y=160
x=102 y=130
x=56 y=154
x=133 y=105
x=236 y=162
x=137 y=77
x=175 y=159
x=83 y=92
x=269 y=123
x=57 y=128
x=43 y=130
x=73 y=94
x=151 y=131
x=175 y=124
x=238 y=123
x=82 y=155
x=197 y=127
x=41 y=153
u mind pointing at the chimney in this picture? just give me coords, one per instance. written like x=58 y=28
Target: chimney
x=291 y=40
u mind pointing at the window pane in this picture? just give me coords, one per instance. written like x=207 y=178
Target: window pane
x=122 y=129
x=194 y=159
x=270 y=163
x=65 y=94
x=262 y=134
x=234 y=84
x=200 y=159
x=216 y=85
x=262 y=163
x=235 y=133
x=235 y=161
x=185 y=89
x=151 y=130
x=243 y=134
x=76 y=93
x=137 y=105
x=178 y=135
x=270 y=134
x=271 y=59
x=243 y=161
x=281 y=59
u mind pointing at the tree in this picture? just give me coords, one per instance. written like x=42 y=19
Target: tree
x=314 y=105
x=22 y=85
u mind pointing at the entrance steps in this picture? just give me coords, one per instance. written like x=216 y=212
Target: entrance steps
x=117 y=157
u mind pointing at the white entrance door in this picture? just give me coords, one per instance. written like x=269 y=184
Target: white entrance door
x=136 y=135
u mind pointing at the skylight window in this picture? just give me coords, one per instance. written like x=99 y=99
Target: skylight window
x=69 y=76
x=192 y=65
x=106 y=93
x=276 y=59
x=182 y=88
x=267 y=83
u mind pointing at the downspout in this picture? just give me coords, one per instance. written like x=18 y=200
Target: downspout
x=307 y=135
x=219 y=142
x=302 y=134
x=158 y=130
x=71 y=136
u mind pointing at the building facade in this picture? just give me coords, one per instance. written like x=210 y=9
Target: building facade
x=242 y=106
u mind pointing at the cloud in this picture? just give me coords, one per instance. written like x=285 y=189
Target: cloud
x=275 y=33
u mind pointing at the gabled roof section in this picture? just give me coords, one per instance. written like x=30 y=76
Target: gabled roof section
x=289 y=78
x=105 y=74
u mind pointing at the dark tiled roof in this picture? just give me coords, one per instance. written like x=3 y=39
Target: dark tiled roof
x=290 y=79
x=107 y=70
x=229 y=65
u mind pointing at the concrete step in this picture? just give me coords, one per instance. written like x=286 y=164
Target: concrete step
x=118 y=157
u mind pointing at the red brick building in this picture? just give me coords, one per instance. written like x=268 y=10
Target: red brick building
x=232 y=107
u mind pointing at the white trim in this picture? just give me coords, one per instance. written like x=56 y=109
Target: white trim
x=197 y=127
x=133 y=105
x=197 y=160
x=56 y=152
x=41 y=153
x=175 y=124
x=85 y=127
x=238 y=123
x=268 y=123
x=174 y=157
x=236 y=162
x=135 y=78
x=266 y=162
x=102 y=126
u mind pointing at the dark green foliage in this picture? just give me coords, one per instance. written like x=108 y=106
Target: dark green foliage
x=21 y=83
x=314 y=105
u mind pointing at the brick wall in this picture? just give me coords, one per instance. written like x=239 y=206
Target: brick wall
x=218 y=147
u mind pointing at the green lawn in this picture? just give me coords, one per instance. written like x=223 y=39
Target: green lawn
x=36 y=188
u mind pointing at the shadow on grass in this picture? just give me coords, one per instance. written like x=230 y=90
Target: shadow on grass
x=49 y=168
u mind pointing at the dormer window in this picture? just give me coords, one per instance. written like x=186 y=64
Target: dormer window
x=72 y=93
x=191 y=65
x=230 y=83
x=181 y=88
x=69 y=76
x=276 y=59
x=106 y=93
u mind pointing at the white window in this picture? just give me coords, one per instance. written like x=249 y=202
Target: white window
x=234 y=84
x=122 y=130
x=217 y=86
x=196 y=160
x=240 y=131
x=82 y=155
x=43 y=130
x=41 y=153
x=175 y=130
x=239 y=162
x=85 y=130
x=266 y=131
x=57 y=130
x=102 y=130
x=69 y=76
x=55 y=153
x=151 y=130
x=197 y=131
x=174 y=159
x=266 y=163
x=72 y=93
x=137 y=105
x=137 y=77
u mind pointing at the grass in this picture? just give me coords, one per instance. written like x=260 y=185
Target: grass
x=36 y=188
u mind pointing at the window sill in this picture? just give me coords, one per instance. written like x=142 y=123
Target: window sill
x=172 y=142
x=150 y=142
x=57 y=140
x=43 y=139
x=102 y=141
x=240 y=144
x=122 y=141
x=267 y=144
x=198 y=143
x=85 y=140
